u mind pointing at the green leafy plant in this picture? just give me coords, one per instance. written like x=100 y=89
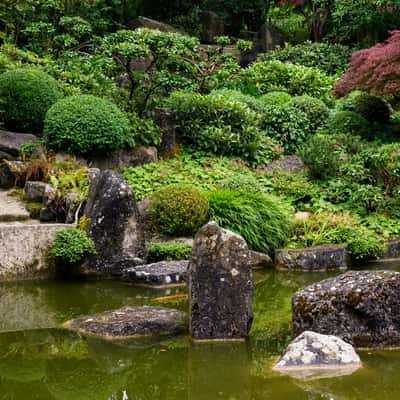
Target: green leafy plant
x=85 y=125
x=348 y=123
x=71 y=246
x=25 y=96
x=275 y=98
x=262 y=220
x=168 y=251
x=372 y=108
x=178 y=209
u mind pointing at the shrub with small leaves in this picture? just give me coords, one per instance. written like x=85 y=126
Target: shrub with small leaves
x=372 y=108
x=275 y=98
x=178 y=209
x=168 y=251
x=348 y=123
x=25 y=96
x=85 y=125
x=71 y=246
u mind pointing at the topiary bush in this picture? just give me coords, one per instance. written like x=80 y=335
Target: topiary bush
x=372 y=108
x=275 y=98
x=71 y=245
x=25 y=96
x=262 y=220
x=286 y=124
x=348 y=123
x=218 y=124
x=85 y=125
x=315 y=109
x=168 y=251
x=178 y=210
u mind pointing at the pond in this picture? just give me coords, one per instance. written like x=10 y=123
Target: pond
x=38 y=360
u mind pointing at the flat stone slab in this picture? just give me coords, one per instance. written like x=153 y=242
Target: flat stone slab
x=318 y=258
x=312 y=356
x=132 y=322
x=160 y=274
x=11 y=208
x=360 y=307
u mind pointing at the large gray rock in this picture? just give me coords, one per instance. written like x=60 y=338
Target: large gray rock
x=11 y=142
x=220 y=285
x=13 y=173
x=12 y=208
x=286 y=164
x=259 y=260
x=160 y=274
x=212 y=26
x=319 y=258
x=38 y=191
x=124 y=158
x=361 y=307
x=165 y=119
x=312 y=355
x=392 y=250
x=115 y=225
x=132 y=322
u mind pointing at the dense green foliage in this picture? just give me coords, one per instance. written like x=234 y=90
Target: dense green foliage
x=25 y=97
x=348 y=123
x=330 y=58
x=168 y=251
x=275 y=98
x=262 y=220
x=178 y=209
x=372 y=108
x=71 y=246
x=85 y=125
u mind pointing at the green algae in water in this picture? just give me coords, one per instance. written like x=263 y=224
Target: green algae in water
x=40 y=361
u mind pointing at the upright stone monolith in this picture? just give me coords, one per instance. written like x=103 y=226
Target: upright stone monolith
x=115 y=225
x=220 y=285
x=165 y=119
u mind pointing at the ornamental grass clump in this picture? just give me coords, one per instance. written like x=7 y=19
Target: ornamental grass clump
x=262 y=220
x=178 y=210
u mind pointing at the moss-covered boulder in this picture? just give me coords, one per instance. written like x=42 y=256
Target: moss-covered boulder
x=360 y=307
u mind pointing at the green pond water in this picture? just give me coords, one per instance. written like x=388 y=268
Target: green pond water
x=38 y=360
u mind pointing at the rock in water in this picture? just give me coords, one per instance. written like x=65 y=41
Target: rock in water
x=132 y=322
x=361 y=307
x=220 y=285
x=313 y=356
x=114 y=224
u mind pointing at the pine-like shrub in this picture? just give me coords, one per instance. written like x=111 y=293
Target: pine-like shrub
x=25 y=96
x=262 y=220
x=85 y=125
x=178 y=210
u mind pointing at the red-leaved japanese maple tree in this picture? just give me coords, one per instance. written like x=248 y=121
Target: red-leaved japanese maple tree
x=375 y=70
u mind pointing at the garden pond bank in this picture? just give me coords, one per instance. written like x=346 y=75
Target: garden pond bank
x=37 y=357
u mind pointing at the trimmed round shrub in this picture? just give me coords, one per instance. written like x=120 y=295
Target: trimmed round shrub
x=348 y=123
x=289 y=126
x=71 y=246
x=262 y=220
x=178 y=210
x=85 y=125
x=315 y=109
x=372 y=108
x=275 y=98
x=25 y=96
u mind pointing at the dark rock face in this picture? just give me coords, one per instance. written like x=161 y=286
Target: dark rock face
x=38 y=191
x=319 y=258
x=131 y=322
x=11 y=142
x=260 y=260
x=115 y=225
x=212 y=26
x=362 y=308
x=313 y=356
x=123 y=158
x=392 y=250
x=220 y=285
x=160 y=274
x=13 y=173
x=165 y=119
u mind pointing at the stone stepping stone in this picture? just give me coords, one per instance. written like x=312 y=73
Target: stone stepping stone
x=315 y=356
x=11 y=208
x=131 y=322
x=160 y=274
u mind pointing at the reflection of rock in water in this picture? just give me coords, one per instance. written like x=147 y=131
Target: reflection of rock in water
x=219 y=371
x=24 y=307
